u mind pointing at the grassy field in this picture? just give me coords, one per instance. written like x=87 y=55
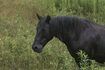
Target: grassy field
x=17 y=31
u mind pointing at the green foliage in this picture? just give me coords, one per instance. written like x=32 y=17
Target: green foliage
x=84 y=61
x=87 y=64
x=17 y=31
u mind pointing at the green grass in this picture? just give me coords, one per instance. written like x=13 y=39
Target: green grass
x=17 y=32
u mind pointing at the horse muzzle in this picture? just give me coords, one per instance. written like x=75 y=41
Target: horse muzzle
x=37 y=48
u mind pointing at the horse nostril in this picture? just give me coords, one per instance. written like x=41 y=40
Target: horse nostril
x=36 y=47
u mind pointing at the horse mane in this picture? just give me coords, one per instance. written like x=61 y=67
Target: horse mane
x=78 y=25
x=62 y=24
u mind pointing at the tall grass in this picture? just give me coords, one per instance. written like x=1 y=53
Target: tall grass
x=17 y=31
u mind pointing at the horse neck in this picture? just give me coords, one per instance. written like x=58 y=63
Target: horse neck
x=70 y=30
x=58 y=30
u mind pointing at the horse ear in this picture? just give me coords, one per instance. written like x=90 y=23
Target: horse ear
x=48 y=18
x=38 y=16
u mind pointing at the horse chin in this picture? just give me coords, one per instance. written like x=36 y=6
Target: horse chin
x=38 y=51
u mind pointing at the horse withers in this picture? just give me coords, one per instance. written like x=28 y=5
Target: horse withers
x=76 y=33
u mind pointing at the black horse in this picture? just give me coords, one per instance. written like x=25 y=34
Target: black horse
x=77 y=34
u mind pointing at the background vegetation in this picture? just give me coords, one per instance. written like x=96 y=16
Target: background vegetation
x=17 y=31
